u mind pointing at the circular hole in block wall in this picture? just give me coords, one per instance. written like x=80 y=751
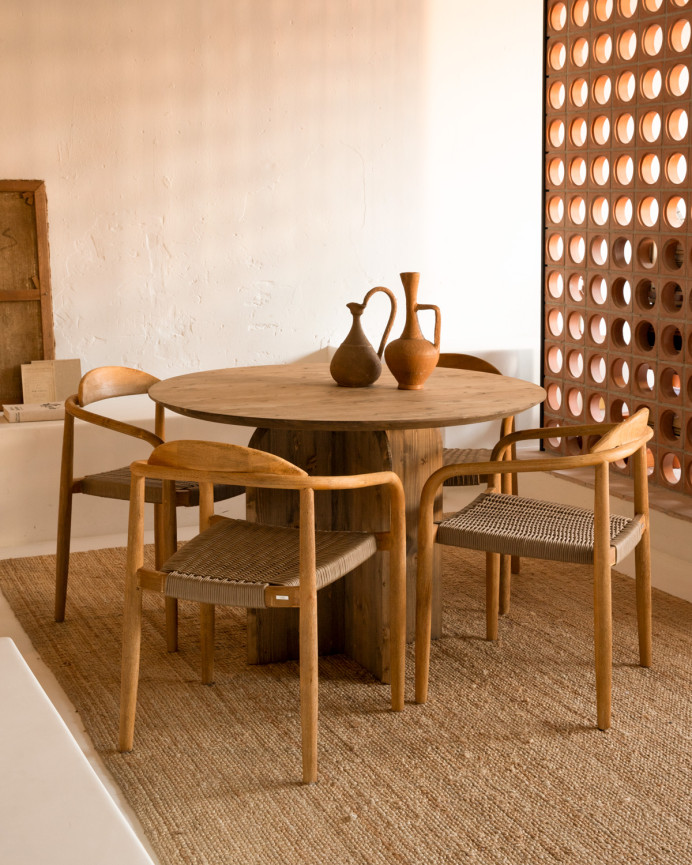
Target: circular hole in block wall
x=575 y=325
x=597 y=408
x=627 y=7
x=650 y=168
x=676 y=167
x=558 y=16
x=556 y=94
x=676 y=211
x=669 y=426
x=625 y=86
x=600 y=210
x=652 y=81
x=556 y=171
x=600 y=129
x=598 y=329
x=648 y=211
x=678 y=80
x=623 y=210
x=556 y=208
x=627 y=44
x=673 y=255
x=645 y=336
x=603 y=9
x=620 y=372
x=556 y=133
x=577 y=171
x=580 y=12
x=575 y=286
x=671 y=469
x=624 y=128
x=672 y=297
x=645 y=378
x=645 y=295
x=598 y=288
x=577 y=248
x=671 y=340
x=624 y=169
x=680 y=35
x=650 y=126
x=554 y=396
x=671 y=384
x=600 y=170
x=622 y=293
x=602 y=89
x=619 y=410
x=677 y=124
x=580 y=52
x=650 y=461
x=554 y=359
x=577 y=132
x=680 y=2
x=557 y=56
x=599 y=250
x=556 y=284
x=556 y=322
x=575 y=363
x=556 y=247
x=575 y=401
x=603 y=48
x=647 y=253
x=553 y=441
x=573 y=445
x=652 y=5
x=577 y=210
x=621 y=333
x=579 y=92
x=597 y=368
x=652 y=39
x=622 y=252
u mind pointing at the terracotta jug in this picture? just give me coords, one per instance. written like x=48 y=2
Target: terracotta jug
x=355 y=363
x=412 y=358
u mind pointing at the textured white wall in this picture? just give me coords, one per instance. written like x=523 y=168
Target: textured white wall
x=224 y=176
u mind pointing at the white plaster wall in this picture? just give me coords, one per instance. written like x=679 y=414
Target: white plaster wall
x=224 y=176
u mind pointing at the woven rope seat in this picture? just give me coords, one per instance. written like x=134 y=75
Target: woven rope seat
x=530 y=528
x=115 y=484
x=452 y=456
x=233 y=561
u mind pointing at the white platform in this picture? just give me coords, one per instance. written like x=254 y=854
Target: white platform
x=54 y=810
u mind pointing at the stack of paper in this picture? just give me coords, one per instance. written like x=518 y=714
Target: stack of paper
x=50 y=380
x=26 y=412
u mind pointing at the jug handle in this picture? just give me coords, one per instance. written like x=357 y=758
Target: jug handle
x=391 y=315
x=419 y=306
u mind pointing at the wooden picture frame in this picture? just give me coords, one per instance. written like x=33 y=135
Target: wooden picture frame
x=26 y=305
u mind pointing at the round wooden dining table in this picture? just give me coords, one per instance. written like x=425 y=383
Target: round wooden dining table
x=300 y=413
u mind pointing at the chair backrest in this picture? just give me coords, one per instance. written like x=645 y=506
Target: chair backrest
x=451 y=360
x=626 y=437
x=220 y=457
x=105 y=382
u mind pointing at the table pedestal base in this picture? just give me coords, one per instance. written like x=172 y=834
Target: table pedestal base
x=353 y=614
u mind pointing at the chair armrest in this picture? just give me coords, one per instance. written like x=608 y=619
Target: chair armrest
x=72 y=408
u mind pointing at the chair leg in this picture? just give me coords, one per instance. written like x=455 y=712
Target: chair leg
x=423 y=610
x=642 y=568
x=505 y=583
x=308 y=689
x=206 y=615
x=492 y=594
x=132 y=634
x=603 y=640
x=62 y=558
x=165 y=544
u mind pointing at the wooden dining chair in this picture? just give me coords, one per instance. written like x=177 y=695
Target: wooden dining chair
x=246 y=564
x=454 y=456
x=98 y=384
x=502 y=524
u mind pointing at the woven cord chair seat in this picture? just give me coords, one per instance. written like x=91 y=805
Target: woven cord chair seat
x=452 y=456
x=115 y=484
x=530 y=528
x=233 y=562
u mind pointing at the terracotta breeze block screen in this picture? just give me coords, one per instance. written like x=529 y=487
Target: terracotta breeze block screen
x=618 y=237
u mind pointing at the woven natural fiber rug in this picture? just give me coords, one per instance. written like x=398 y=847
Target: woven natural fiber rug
x=503 y=765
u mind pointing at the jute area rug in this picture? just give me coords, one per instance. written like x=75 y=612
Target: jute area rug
x=503 y=765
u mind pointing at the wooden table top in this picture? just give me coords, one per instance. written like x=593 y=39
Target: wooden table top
x=304 y=396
